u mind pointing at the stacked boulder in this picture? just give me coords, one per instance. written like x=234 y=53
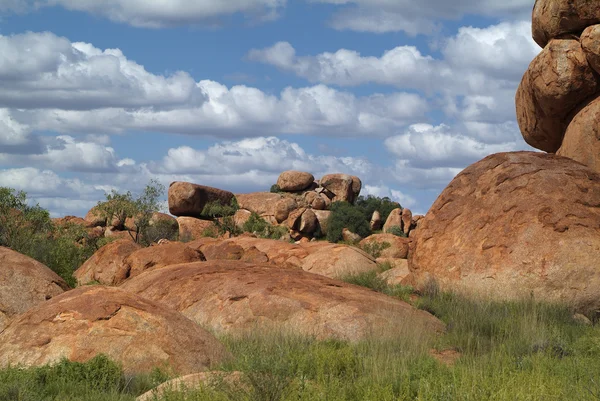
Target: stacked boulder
x=558 y=100
x=526 y=224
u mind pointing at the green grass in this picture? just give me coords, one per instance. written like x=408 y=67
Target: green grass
x=509 y=351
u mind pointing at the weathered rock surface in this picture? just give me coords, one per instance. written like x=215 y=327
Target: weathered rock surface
x=193 y=228
x=399 y=272
x=283 y=208
x=323 y=219
x=343 y=186
x=262 y=203
x=590 y=43
x=398 y=246
x=292 y=181
x=241 y=217
x=336 y=261
x=230 y=297
x=515 y=225
x=349 y=236
x=158 y=256
x=279 y=253
x=558 y=80
x=24 y=283
x=187 y=199
x=376 y=223
x=157 y=219
x=107 y=266
x=393 y=220
x=407 y=221
x=225 y=250
x=85 y=322
x=582 y=139
x=553 y=18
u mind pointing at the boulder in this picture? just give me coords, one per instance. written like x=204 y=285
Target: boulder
x=554 y=18
x=279 y=253
x=336 y=260
x=399 y=272
x=94 y=219
x=235 y=298
x=187 y=199
x=349 y=236
x=158 y=256
x=323 y=219
x=558 y=80
x=590 y=43
x=376 y=223
x=116 y=234
x=515 y=225
x=196 y=381
x=308 y=222
x=224 y=250
x=156 y=219
x=398 y=246
x=80 y=324
x=582 y=139
x=293 y=181
x=262 y=203
x=342 y=186
x=107 y=266
x=241 y=217
x=191 y=228
x=393 y=220
x=25 y=283
x=283 y=208
x=407 y=221
x=295 y=218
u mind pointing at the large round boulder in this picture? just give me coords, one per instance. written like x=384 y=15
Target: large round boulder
x=82 y=323
x=335 y=260
x=24 y=283
x=590 y=43
x=582 y=139
x=187 y=199
x=293 y=181
x=515 y=225
x=344 y=187
x=107 y=266
x=233 y=297
x=554 y=18
x=558 y=80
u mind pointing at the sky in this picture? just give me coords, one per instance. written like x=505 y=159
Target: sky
x=106 y=95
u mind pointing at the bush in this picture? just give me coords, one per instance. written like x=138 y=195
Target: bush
x=375 y=248
x=345 y=215
x=217 y=209
x=259 y=226
x=275 y=189
x=372 y=203
x=397 y=231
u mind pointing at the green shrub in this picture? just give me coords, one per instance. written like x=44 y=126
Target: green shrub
x=375 y=248
x=345 y=215
x=275 y=189
x=259 y=226
x=215 y=209
x=372 y=203
x=397 y=231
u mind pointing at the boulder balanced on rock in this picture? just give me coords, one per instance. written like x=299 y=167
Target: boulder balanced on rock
x=187 y=199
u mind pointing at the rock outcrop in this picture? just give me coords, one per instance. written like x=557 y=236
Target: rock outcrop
x=230 y=297
x=556 y=18
x=25 y=283
x=515 y=225
x=191 y=228
x=158 y=256
x=82 y=323
x=107 y=266
x=397 y=247
x=187 y=199
x=291 y=181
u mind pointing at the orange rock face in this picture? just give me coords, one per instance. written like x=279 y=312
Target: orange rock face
x=582 y=139
x=232 y=297
x=515 y=225
x=24 y=283
x=558 y=80
x=553 y=18
x=107 y=266
x=88 y=321
x=398 y=248
x=158 y=256
x=187 y=199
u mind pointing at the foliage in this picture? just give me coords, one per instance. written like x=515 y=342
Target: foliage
x=373 y=281
x=372 y=203
x=375 y=248
x=345 y=215
x=120 y=206
x=397 y=231
x=275 y=189
x=259 y=226
x=215 y=209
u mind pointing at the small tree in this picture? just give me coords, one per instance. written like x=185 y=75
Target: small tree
x=372 y=203
x=122 y=206
x=345 y=215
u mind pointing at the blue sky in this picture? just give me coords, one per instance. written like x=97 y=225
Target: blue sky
x=107 y=95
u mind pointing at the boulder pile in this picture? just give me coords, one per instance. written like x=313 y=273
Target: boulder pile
x=558 y=101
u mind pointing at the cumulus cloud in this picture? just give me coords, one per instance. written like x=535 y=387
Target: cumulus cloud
x=158 y=13
x=242 y=111
x=420 y=17
x=42 y=70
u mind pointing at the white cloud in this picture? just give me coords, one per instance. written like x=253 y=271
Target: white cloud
x=426 y=146
x=414 y=17
x=158 y=13
x=42 y=70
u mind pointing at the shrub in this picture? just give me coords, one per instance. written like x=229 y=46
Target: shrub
x=375 y=248
x=345 y=215
x=275 y=189
x=371 y=203
x=397 y=231
x=259 y=226
x=216 y=209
